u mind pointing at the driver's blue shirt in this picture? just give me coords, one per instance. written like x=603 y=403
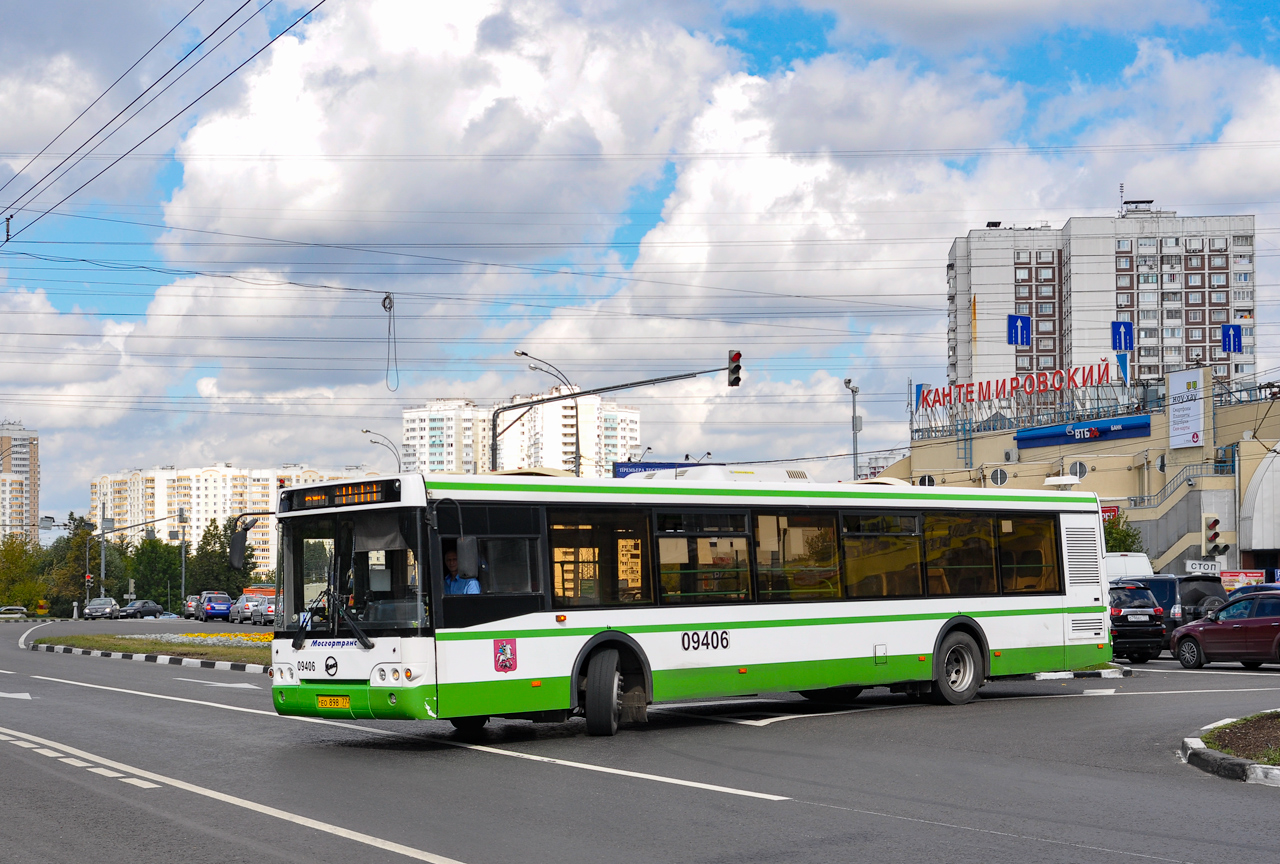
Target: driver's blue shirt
x=461 y=585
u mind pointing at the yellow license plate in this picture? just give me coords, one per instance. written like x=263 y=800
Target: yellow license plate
x=333 y=701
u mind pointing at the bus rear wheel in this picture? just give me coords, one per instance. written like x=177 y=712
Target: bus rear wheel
x=604 y=693
x=958 y=670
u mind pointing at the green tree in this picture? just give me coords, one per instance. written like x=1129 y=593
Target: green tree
x=20 y=578
x=156 y=569
x=209 y=569
x=1120 y=536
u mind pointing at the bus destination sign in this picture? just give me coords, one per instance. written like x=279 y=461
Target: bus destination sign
x=346 y=495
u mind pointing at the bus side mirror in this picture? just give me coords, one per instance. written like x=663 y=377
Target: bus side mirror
x=468 y=558
x=236 y=547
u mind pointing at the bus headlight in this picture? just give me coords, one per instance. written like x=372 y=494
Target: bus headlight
x=395 y=673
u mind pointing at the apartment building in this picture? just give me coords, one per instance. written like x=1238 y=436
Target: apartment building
x=209 y=494
x=446 y=435
x=596 y=430
x=19 y=480
x=1177 y=279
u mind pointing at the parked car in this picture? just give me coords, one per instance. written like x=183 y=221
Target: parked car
x=1246 y=630
x=102 y=607
x=170 y=615
x=1183 y=598
x=1137 y=622
x=142 y=609
x=264 y=612
x=13 y=611
x=243 y=608
x=1252 y=589
x=189 y=606
x=213 y=604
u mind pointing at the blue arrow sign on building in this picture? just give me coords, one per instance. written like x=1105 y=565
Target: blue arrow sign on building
x=1121 y=335
x=1020 y=330
x=1233 y=338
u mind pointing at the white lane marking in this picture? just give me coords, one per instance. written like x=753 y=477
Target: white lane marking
x=1223 y=722
x=26 y=744
x=262 y=809
x=7 y=672
x=1213 y=672
x=5 y=738
x=105 y=772
x=771 y=717
x=586 y=766
x=1101 y=692
x=514 y=754
x=141 y=784
x=239 y=686
x=45 y=751
x=993 y=832
x=22 y=640
x=26 y=696
x=74 y=763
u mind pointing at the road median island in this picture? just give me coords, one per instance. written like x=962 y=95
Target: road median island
x=1247 y=749
x=241 y=649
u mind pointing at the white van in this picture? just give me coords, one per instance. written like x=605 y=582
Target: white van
x=1122 y=564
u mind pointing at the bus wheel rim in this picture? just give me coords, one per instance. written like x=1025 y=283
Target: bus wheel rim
x=958 y=668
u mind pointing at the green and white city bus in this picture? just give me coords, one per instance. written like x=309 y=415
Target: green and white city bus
x=601 y=597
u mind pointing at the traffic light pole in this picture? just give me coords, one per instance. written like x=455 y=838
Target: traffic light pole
x=498 y=412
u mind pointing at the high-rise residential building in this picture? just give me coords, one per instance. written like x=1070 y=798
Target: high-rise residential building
x=19 y=480
x=548 y=436
x=446 y=435
x=207 y=494
x=1177 y=279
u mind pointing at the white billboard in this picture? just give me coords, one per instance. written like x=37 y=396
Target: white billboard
x=1186 y=409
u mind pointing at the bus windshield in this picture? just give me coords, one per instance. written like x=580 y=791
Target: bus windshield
x=369 y=560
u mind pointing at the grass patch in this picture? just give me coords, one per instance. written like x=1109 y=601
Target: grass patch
x=1256 y=738
x=260 y=654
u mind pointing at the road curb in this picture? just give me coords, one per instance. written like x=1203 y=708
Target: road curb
x=34 y=620
x=1118 y=672
x=160 y=659
x=1194 y=752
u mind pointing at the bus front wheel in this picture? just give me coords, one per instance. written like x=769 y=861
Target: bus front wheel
x=958 y=671
x=604 y=693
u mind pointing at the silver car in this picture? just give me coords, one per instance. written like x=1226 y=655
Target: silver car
x=264 y=612
x=102 y=607
x=242 y=609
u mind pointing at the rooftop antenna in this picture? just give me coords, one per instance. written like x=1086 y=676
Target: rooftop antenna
x=1122 y=198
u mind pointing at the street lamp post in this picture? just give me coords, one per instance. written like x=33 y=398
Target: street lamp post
x=857 y=423
x=577 y=426
x=389 y=444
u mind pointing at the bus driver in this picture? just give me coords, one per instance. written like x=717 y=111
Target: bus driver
x=453 y=582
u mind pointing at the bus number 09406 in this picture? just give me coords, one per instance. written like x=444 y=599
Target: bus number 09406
x=709 y=639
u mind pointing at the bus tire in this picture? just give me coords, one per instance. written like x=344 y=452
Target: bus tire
x=958 y=671
x=604 y=692
x=469 y=725
x=832 y=694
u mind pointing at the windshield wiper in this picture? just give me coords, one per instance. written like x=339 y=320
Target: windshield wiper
x=365 y=641
x=300 y=638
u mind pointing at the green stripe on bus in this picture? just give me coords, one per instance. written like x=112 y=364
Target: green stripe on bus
x=508 y=696
x=837 y=494
x=551 y=630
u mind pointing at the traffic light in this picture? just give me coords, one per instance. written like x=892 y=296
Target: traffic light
x=735 y=368
x=182 y=515
x=1209 y=536
x=88 y=580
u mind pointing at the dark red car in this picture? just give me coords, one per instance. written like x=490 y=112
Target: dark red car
x=1246 y=630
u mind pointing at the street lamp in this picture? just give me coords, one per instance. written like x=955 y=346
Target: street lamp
x=857 y=423
x=646 y=452
x=389 y=444
x=577 y=427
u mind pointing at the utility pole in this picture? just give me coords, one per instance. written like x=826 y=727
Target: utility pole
x=857 y=423
x=102 y=551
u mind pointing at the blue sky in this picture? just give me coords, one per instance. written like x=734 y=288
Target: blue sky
x=816 y=270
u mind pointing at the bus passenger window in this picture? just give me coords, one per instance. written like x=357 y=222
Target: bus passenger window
x=1029 y=555
x=700 y=559
x=882 y=555
x=599 y=557
x=960 y=553
x=796 y=556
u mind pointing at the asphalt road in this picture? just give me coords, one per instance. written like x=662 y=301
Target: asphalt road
x=205 y=771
